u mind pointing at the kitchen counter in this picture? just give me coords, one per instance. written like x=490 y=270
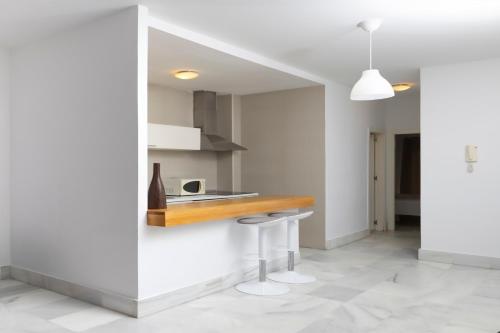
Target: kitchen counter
x=205 y=211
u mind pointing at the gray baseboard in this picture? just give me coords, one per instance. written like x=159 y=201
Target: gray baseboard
x=105 y=299
x=139 y=308
x=459 y=259
x=344 y=240
x=4 y=272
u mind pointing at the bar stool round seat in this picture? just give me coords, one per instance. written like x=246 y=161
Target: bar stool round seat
x=290 y=275
x=262 y=287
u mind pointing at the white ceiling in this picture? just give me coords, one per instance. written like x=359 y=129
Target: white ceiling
x=218 y=71
x=318 y=36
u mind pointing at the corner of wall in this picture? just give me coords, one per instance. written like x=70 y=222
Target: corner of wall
x=347 y=127
x=5 y=157
x=75 y=160
x=142 y=134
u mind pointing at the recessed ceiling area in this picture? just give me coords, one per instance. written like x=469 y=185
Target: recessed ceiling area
x=316 y=36
x=218 y=71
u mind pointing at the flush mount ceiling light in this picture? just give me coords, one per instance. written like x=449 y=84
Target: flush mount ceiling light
x=186 y=75
x=371 y=85
x=402 y=86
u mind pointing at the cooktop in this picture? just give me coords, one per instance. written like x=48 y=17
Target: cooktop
x=210 y=195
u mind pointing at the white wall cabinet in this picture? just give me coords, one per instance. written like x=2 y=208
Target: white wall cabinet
x=170 y=137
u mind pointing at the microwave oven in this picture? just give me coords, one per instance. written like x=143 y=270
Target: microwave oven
x=185 y=186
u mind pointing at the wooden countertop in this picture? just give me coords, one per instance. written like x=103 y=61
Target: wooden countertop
x=196 y=212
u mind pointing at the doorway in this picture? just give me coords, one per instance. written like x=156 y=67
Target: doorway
x=407 y=182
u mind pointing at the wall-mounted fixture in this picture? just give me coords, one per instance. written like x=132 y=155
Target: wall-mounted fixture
x=186 y=74
x=371 y=85
x=470 y=157
x=402 y=86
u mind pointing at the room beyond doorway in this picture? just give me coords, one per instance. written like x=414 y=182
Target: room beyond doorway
x=407 y=181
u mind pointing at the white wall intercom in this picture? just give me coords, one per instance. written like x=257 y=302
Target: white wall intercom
x=470 y=157
x=471 y=154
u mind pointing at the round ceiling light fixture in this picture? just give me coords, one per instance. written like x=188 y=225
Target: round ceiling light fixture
x=186 y=74
x=371 y=85
x=402 y=86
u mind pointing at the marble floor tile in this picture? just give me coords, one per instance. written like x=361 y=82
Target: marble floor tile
x=186 y=319
x=86 y=319
x=289 y=317
x=365 y=278
x=328 y=325
x=456 y=283
x=392 y=264
x=128 y=325
x=420 y=277
x=416 y=319
x=477 y=312
x=306 y=289
x=306 y=252
x=31 y=299
x=391 y=288
x=380 y=305
x=373 y=285
x=347 y=318
x=14 y=288
x=490 y=287
x=461 y=329
x=334 y=292
x=9 y=283
x=344 y=257
x=59 y=308
x=325 y=272
x=13 y=321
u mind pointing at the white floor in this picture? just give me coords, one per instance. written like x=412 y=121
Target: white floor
x=373 y=285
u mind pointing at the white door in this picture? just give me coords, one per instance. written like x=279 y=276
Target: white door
x=377 y=183
x=371 y=182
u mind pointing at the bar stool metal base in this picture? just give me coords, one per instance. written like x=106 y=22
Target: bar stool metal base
x=264 y=288
x=291 y=277
x=261 y=287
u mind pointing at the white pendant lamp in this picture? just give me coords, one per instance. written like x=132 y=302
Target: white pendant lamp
x=371 y=85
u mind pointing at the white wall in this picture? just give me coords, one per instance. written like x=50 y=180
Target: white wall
x=460 y=210
x=4 y=157
x=75 y=155
x=347 y=126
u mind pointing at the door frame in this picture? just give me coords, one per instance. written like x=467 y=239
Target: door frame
x=377 y=193
x=391 y=174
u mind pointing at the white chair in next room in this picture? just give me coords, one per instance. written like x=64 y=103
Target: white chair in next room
x=262 y=287
x=291 y=276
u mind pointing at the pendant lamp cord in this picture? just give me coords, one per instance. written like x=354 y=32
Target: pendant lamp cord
x=370 y=50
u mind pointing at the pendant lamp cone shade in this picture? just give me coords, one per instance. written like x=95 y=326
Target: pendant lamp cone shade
x=371 y=86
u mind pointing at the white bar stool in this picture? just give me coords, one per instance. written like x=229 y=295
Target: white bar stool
x=262 y=287
x=291 y=276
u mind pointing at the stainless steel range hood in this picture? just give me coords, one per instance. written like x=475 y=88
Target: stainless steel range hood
x=205 y=118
